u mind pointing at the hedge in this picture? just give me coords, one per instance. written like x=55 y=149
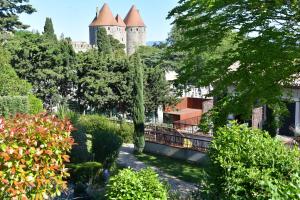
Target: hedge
x=11 y=105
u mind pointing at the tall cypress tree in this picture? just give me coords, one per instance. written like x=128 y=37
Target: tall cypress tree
x=48 y=28
x=103 y=41
x=138 y=104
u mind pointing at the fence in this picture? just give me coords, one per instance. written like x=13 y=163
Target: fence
x=189 y=125
x=168 y=138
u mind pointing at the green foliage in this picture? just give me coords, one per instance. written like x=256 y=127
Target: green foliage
x=84 y=172
x=103 y=42
x=104 y=84
x=32 y=156
x=89 y=131
x=10 y=9
x=105 y=147
x=36 y=58
x=250 y=35
x=157 y=90
x=11 y=105
x=138 y=113
x=35 y=104
x=48 y=29
x=129 y=184
x=10 y=84
x=248 y=164
x=126 y=132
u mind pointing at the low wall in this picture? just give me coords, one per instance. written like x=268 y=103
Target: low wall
x=178 y=153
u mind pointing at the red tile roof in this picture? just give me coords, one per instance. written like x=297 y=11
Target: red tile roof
x=120 y=21
x=134 y=18
x=105 y=18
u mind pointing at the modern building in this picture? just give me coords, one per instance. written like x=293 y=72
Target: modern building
x=131 y=32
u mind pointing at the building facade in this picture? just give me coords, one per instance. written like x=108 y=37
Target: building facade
x=131 y=32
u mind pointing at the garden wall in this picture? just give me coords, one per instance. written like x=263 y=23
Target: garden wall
x=178 y=153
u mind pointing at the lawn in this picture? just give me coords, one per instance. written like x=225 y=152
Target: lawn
x=181 y=169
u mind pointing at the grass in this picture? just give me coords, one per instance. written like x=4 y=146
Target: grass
x=181 y=169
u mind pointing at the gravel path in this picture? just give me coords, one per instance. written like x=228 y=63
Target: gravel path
x=127 y=159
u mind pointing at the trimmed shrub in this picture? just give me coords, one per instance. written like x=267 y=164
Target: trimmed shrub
x=12 y=105
x=140 y=185
x=126 y=132
x=248 y=164
x=35 y=105
x=105 y=147
x=33 y=150
x=85 y=172
x=89 y=126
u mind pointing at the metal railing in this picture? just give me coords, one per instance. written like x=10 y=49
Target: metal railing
x=177 y=140
x=189 y=125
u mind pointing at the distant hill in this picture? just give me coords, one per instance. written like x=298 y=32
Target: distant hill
x=151 y=43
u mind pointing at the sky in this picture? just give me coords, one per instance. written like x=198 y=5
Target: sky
x=72 y=17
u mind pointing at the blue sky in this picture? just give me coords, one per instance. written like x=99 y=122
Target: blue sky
x=72 y=17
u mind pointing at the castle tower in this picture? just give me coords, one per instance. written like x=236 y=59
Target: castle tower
x=106 y=20
x=121 y=30
x=135 y=30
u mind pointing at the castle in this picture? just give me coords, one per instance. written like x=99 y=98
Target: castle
x=131 y=32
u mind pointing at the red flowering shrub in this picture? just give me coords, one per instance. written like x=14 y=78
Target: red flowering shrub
x=33 y=150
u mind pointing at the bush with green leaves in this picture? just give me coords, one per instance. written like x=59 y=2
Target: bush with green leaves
x=90 y=126
x=35 y=105
x=129 y=184
x=105 y=147
x=85 y=172
x=247 y=163
x=10 y=105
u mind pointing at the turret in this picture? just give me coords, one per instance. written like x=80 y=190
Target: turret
x=135 y=30
x=106 y=20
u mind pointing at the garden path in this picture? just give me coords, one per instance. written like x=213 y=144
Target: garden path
x=127 y=159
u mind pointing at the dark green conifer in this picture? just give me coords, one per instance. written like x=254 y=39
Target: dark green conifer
x=103 y=42
x=48 y=28
x=138 y=104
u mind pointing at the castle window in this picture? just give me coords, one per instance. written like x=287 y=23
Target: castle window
x=137 y=29
x=131 y=29
x=108 y=28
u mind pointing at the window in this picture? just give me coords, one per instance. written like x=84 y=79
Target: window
x=137 y=29
x=108 y=28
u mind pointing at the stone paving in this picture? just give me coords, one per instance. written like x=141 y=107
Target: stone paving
x=127 y=159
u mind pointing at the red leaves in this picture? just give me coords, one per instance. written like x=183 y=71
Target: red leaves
x=32 y=155
x=66 y=158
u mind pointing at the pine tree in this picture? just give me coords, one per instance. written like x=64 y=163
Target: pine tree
x=138 y=104
x=103 y=42
x=48 y=29
x=9 y=11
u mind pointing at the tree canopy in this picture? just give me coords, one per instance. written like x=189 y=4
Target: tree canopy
x=9 y=14
x=257 y=45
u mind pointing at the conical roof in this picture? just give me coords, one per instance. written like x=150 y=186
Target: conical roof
x=105 y=17
x=120 y=21
x=134 y=18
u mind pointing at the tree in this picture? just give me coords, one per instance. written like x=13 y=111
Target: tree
x=10 y=9
x=264 y=48
x=138 y=114
x=157 y=90
x=103 y=42
x=48 y=29
x=116 y=45
x=10 y=83
x=47 y=64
